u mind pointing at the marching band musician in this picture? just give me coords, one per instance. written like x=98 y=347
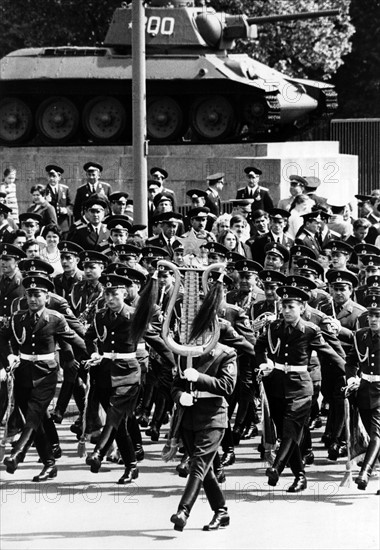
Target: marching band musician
x=363 y=374
x=65 y=281
x=288 y=343
x=34 y=334
x=204 y=420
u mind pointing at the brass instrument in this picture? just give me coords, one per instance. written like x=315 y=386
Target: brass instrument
x=259 y=325
x=88 y=314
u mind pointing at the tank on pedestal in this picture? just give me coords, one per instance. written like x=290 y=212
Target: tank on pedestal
x=198 y=89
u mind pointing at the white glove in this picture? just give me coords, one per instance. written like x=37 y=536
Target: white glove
x=191 y=374
x=95 y=356
x=12 y=358
x=266 y=368
x=3 y=375
x=186 y=399
x=353 y=382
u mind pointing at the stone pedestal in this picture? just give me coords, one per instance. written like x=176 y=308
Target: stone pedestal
x=189 y=165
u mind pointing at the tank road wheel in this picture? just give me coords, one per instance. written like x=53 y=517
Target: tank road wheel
x=104 y=119
x=165 y=121
x=16 y=120
x=57 y=119
x=212 y=118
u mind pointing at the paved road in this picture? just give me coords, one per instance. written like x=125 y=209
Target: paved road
x=80 y=510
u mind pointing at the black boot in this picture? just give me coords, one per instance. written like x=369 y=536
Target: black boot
x=228 y=457
x=183 y=467
x=297 y=467
x=19 y=450
x=106 y=438
x=218 y=469
x=368 y=463
x=49 y=471
x=299 y=484
x=217 y=502
x=280 y=461
x=193 y=486
x=131 y=472
x=62 y=401
x=220 y=519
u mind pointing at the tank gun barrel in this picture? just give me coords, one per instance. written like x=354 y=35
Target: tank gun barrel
x=260 y=20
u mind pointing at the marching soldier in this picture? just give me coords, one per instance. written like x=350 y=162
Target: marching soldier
x=288 y=343
x=65 y=281
x=10 y=281
x=34 y=334
x=363 y=373
x=116 y=373
x=213 y=377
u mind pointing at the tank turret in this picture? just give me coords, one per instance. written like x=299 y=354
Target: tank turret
x=198 y=89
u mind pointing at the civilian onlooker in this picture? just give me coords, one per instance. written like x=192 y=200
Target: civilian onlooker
x=41 y=206
x=51 y=253
x=8 y=186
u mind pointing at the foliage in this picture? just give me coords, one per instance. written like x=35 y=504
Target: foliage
x=358 y=80
x=311 y=48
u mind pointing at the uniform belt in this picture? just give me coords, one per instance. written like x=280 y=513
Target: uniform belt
x=201 y=394
x=291 y=368
x=40 y=357
x=112 y=355
x=371 y=377
x=141 y=346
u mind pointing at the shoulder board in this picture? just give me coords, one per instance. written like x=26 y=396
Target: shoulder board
x=263 y=188
x=54 y=313
x=63 y=185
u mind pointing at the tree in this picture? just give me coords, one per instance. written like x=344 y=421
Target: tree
x=358 y=80
x=311 y=48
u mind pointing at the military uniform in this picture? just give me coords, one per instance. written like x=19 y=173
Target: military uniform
x=60 y=198
x=260 y=195
x=34 y=337
x=84 y=192
x=64 y=285
x=364 y=360
x=89 y=239
x=203 y=425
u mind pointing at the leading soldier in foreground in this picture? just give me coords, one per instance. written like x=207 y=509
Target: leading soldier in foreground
x=289 y=343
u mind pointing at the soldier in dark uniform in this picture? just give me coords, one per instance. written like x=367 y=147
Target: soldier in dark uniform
x=271 y=281
x=215 y=186
x=213 y=378
x=343 y=308
x=59 y=197
x=333 y=379
x=70 y=384
x=10 y=288
x=116 y=373
x=248 y=292
x=118 y=203
x=288 y=343
x=276 y=257
x=308 y=233
x=363 y=373
x=151 y=253
x=198 y=200
x=34 y=334
x=10 y=280
x=260 y=195
x=165 y=240
x=65 y=281
x=339 y=253
x=312 y=269
x=91 y=187
x=94 y=235
x=371 y=265
x=159 y=175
